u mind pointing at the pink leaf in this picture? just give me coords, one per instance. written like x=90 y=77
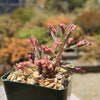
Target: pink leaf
x=83 y=42
x=23 y=65
x=47 y=50
x=69 y=41
x=56 y=43
x=33 y=42
x=72 y=27
x=63 y=28
x=52 y=28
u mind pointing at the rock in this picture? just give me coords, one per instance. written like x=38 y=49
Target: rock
x=46 y=83
x=30 y=81
x=58 y=85
x=27 y=71
x=61 y=86
x=24 y=81
x=61 y=81
x=18 y=72
x=36 y=74
x=51 y=85
x=9 y=77
x=55 y=87
x=58 y=76
x=13 y=77
x=50 y=79
x=30 y=76
x=41 y=82
x=55 y=80
x=20 y=78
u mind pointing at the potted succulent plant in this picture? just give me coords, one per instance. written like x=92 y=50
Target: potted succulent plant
x=43 y=78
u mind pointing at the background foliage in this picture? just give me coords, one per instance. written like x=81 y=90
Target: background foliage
x=14 y=51
x=18 y=26
x=90 y=22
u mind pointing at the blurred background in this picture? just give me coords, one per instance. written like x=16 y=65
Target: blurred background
x=19 y=19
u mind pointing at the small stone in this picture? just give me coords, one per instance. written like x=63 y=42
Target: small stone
x=18 y=71
x=31 y=76
x=55 y=80
x=15 y=80
x=57 y=85
x=27 y=71
x=9 y=77
x=51 y=85
x=20 y=78
x=24 y=81
x=46 y=83
x=30 y=81
x=41 y=82
x=50 y=80
x=62 y=70
x=59 y=76
x=20 y=75
x=61 y=86
x=36 y=75
x=13 y=77
x=60 y=81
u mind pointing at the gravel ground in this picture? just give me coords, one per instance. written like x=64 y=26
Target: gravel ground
x=87 y=86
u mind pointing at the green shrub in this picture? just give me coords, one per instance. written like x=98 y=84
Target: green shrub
x=35 y=21
x=22 y=14
x=89 y=21
x=63 y=5
x=75 y=3
x=56 y=5
x=9 y=27
x=37 y=32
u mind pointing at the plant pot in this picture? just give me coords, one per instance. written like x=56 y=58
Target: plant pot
x=23 y=91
